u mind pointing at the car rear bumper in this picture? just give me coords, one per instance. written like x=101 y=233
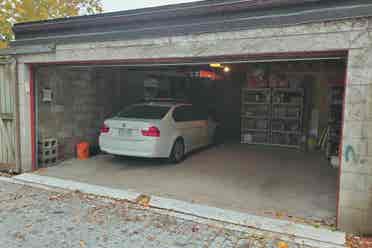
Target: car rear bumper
x=135 y=148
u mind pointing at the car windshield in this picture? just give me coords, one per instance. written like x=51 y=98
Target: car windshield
x=144 y=112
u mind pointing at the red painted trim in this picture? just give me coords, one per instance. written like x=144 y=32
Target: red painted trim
x=206 y=59
x=32 y=115
x=341 y=144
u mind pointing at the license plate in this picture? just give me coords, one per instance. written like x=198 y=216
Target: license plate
x=125 y=132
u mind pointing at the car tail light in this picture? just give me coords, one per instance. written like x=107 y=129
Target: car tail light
x=151 y=132
x=104 y=129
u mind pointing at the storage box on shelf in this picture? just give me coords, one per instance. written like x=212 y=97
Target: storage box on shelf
x=47 y=152
x=272 y=116
x=335 y=99
x=255 y=116
x=286 y=119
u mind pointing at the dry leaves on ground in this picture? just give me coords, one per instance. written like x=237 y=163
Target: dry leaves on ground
x=82 y=243
x=143 y=200
x=328 y=222
x=353 y=241
x=3 y=174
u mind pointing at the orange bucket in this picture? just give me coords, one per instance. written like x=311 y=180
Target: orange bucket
x=82 y=150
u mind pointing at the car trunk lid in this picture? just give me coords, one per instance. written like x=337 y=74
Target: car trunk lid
x=130 y=128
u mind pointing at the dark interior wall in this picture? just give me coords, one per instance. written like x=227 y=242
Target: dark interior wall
x=82 y=99
x=228 y=104
x=314 y=76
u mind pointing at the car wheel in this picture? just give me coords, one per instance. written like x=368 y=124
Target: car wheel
x=178 y=151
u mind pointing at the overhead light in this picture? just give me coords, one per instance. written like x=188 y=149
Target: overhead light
x=215 y=65
x=226 y=69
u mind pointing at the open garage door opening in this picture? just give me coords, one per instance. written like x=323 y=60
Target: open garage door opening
x=276 y=147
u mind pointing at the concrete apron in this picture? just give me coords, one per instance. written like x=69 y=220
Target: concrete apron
x=301 y=234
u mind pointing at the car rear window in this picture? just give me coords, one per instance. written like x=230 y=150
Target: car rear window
x=144 y=112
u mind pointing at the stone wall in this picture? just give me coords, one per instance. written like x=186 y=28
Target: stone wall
x=355 y=202
x=353 y=35
x=82 y=100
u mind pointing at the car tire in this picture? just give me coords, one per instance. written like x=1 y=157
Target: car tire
x=178 y=151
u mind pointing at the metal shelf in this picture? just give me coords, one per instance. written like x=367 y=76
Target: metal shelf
x=288 y=146
x=271 y=144
x=287 y=90
x=255 y=143
x=335 y=98
x=256 y=103
x=286 y=132
x=253 y=130
x=287 y=104
x=256 y=89
x=270 y=95
x=286 y=118
x=255 y=117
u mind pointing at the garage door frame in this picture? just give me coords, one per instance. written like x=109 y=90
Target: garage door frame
x=150 y=62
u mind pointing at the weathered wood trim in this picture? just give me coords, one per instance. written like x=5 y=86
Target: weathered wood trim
x=7 y=116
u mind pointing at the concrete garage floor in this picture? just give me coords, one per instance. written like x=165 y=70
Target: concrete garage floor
x=259 y=180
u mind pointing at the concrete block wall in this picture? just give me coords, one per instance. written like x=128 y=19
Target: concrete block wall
x=82 y=100
x=355 y=207
x=351 y=35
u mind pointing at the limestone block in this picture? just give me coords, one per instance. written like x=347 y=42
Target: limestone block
x=367 y=223
x=356 y=182
x=357 y=164
x=355 y=199
x=360 y=58
x=356 y=111
x=359 y=74
x=357 y=93
x=360 y=145
x=351 y=220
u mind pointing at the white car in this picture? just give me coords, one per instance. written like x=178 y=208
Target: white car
x=157 y=130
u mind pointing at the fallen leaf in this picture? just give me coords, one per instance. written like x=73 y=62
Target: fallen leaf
x=282 y=244
x=151 y=238
x=279 y=214
x=82 y=243
x=143 y=200
x=41 y=170
x=3 y=174
x=19 y=236
x=28 y=226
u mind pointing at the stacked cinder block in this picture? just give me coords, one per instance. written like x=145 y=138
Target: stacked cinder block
x=48 y=152
x=355 y=197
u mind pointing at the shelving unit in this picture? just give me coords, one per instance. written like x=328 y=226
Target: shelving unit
x=335 y=99
x=272 y=116
x=286 y=116
x=255 y=116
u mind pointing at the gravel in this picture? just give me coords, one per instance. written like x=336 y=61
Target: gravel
x=31 y=217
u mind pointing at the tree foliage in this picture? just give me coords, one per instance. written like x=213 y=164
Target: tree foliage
x=16 y=11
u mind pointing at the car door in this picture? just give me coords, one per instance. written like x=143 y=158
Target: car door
x=201 y=125
x=186 y=126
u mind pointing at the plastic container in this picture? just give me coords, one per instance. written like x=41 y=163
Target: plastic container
x=82 y=151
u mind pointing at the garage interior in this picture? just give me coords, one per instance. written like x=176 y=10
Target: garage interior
x=279 y=132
